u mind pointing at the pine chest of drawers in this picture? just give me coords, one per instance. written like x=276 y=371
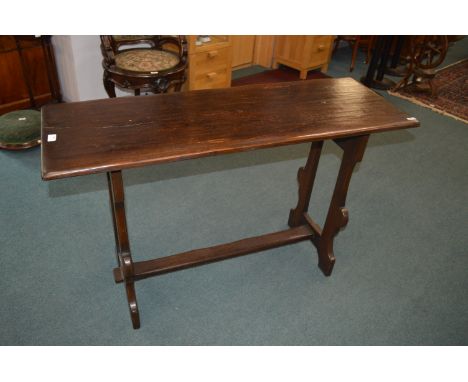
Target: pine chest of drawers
x=210 y=64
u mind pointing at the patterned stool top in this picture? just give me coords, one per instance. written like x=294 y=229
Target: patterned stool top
x=146 y=60
x=19 y=128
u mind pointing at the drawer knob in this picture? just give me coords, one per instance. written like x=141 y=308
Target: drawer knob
x=321 y=47
x=211 y=75
x=212 y=54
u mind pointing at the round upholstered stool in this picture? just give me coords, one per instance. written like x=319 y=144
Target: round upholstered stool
x=20 y=129
x=146 y=60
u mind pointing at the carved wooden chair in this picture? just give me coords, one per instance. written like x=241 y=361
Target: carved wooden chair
x=355 y=42
x=157 y=64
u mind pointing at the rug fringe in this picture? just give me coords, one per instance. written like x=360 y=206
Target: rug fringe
x=452 y=64
x=417 y=102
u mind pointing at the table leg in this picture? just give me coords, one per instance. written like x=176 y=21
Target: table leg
x=305 y=177
x=124 y=257
x=337 y=216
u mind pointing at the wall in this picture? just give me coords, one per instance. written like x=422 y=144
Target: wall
x=65 y=67
x=79 y=67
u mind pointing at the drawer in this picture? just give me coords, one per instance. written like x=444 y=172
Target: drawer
x=212 y=79
x=209 y=61
x=321 y=48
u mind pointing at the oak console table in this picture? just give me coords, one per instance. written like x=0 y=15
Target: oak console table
x=116 y=134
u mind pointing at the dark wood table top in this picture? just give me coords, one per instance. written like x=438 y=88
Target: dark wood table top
x=119 y=133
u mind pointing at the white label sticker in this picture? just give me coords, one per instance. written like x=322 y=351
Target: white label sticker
x=51 y=137
x=22 y=119
x=411 y=119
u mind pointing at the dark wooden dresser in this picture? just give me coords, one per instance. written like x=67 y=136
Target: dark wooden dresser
x=28 y=75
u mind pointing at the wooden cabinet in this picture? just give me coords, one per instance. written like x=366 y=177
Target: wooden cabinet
x=28 y=77
x=210 y=64
x=303 y=53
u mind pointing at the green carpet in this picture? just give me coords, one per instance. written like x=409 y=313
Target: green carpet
x=401 y=276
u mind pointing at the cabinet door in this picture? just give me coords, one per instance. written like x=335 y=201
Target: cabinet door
x=36 y=72
x=13 y=90
x=263 y=50
x=25 y=78
x=242 y=50
x=293 y=49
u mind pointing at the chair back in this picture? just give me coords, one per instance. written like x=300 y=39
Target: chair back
x=113 y=44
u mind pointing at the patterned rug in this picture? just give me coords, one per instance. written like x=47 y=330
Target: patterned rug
x=452 y=97
x=281 y=74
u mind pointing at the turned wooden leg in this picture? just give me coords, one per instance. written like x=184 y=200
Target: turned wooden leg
x=124 y=258
x=303 y=74
x=337 y=216
x=108 y=85
x=355 y=48
x=178 y=85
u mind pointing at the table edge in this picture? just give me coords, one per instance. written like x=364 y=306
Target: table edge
x=53 y=175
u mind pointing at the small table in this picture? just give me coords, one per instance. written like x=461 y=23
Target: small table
x=112 y=135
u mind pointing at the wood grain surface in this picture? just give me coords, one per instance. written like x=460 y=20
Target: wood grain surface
x=115 y=134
